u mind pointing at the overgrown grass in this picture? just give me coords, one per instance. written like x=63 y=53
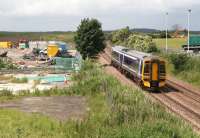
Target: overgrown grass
x=191 y=72
x=184 y=67
x=113 y=110
x=6 y=95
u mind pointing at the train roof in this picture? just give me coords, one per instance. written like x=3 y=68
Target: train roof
x=130 y=52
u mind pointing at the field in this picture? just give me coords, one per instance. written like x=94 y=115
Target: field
x=47 y=36
x=114 y=110
x=173 y=43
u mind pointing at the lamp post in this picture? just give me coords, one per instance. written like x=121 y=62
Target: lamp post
x=166 y=31
x=189 y=12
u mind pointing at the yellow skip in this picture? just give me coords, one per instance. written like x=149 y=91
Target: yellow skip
x=52 y=50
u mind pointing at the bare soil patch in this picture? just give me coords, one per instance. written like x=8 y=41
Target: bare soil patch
x=59 y=107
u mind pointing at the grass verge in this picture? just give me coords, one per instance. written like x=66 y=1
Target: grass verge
x=113 y=110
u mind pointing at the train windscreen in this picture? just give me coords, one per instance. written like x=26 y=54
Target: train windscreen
x=147 y=68
x=162 y=68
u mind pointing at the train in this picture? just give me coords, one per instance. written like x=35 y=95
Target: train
x=147 y=70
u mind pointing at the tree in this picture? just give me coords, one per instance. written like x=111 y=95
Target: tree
x=141 y=43
x=89 y=38
x=185 y=31
x=163 y=35
x=120 y=36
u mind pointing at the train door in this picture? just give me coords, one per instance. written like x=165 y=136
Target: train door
x=154 y=71
x=154 y=74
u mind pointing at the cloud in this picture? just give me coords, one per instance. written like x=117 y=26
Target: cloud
x=88 y=7
x=112 y=13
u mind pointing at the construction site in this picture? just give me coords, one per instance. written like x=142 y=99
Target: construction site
x=36 y=65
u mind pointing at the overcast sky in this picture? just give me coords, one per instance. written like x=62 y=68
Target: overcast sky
x=64 y=15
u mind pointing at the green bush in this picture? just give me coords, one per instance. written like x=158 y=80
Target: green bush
x=163 y=35
x=2 y=64
x=179 y=61
x=121 y=36
x=152 y=48
x=141 y=43
x=7 y=64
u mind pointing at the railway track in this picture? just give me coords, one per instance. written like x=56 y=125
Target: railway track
x=194 y=94
x=179 y=107
x=177 y=98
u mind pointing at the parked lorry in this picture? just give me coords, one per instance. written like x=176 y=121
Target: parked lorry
x=5 y=44
x=194 y=44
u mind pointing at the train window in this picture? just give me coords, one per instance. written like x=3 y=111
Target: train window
x=115 y=55
x=162 y=68
x=136 y=63
x=147 y=68
x=131 y=63
x=141 y=65
x=121 y=58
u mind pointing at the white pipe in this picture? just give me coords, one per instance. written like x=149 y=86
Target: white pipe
x=166 y=23
x=189 y=11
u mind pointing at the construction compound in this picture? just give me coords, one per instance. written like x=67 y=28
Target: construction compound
x=38 y=67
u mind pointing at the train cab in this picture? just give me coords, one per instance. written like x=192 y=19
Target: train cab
x=147 y=70
x=153 y=73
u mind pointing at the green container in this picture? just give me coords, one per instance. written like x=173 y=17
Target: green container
x=23 y=45
x=195 y=40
